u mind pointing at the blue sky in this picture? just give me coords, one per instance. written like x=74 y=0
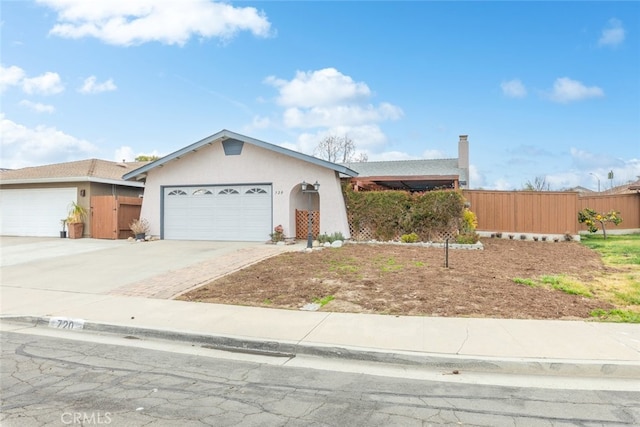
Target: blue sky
x=543 y=89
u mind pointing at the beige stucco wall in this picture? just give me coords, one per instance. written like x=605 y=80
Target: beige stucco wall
x=209 y=166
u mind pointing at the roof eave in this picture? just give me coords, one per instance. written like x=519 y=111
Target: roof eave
x=71 y=179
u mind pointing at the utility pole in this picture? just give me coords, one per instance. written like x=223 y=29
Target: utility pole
x=598 y=178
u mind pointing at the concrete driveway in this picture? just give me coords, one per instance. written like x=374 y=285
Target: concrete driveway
x=160 y=269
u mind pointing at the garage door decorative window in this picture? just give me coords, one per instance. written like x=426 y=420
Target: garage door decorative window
x=256 y=191
x=228 y=191
x=202 y=192
x=177 y=193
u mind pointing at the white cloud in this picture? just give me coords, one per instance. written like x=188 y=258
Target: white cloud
x=587 y=168
x=366 y=138
x=390 y=156
x=10 y=76
x=260 y=122
x=613 y=34
x=124 y=153
x=582 y=159
x=563 y=180
x=127 y=154
x=47 y=84
x=90 y=86
x=513 y=89
x=321 y=88
x=502 y=185
x=126 y=22
x=476 y=179
x=328 y=103
x=345 y=115
x=433 y=154
x=22 y=146
x=566 y=90
x=37 y=106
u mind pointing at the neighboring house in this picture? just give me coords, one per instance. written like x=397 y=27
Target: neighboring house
x=232 y=187
x=414 y=175
x=630 y=187
x=582 y=191
x=33 y=200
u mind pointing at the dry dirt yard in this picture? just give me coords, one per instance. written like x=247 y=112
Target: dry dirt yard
x=412 y=280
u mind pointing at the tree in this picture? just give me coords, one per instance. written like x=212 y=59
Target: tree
x=590 y=217
x=145 y=158
x=539 y=184
x=338 y=149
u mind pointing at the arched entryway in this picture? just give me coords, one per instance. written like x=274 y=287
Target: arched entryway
x=305 y=209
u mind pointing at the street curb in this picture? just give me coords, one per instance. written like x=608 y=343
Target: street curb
x=450 y=363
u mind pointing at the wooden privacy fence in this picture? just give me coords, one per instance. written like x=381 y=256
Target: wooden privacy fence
x=546 y=212
x=111 y=216
x=302 y=224
x=627 y=204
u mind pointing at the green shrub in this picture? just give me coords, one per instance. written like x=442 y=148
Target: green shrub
x=324 y=238
x=469 y=221
x=468 y=238
x=409 y=238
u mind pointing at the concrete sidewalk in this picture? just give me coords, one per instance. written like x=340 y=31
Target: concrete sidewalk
x=488 y=345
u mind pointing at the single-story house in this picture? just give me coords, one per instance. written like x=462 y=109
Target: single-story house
x=414 y=175
x=34 y=200
x=232 y=187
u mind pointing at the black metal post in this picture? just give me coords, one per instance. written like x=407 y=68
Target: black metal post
x=446 y=253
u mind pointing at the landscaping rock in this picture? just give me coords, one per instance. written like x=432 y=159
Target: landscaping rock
x=312 y=306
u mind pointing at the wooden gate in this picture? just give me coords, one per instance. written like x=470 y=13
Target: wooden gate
x=302 y=224
x=111 y=216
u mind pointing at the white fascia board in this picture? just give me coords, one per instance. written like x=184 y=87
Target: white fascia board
x=72 y=179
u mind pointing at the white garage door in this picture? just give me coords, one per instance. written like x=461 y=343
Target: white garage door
x=34 y=212
x=220 y=212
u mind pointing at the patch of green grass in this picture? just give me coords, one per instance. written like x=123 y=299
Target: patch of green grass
x=347 y=265
x=559 y=283
x=419 y=263
x=528 y=282
x=566 y=285
x=391 y=265
x=324 y=301
x=267 y=301
x=630 y=294
x=615 y=249
x=616 y=315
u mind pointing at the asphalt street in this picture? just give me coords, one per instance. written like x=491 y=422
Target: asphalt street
x=48 y=380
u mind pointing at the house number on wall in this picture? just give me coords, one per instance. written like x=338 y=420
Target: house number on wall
x=279 y=192
x=66 y=323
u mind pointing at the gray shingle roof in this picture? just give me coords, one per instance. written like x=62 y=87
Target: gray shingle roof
x=422 y=167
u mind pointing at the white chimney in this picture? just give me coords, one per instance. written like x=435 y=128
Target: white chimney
x=463 y=160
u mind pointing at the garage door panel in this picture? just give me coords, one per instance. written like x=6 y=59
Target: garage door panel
x=34 y=212
x=226 y=213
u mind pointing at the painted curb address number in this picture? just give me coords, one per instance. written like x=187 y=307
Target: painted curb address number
x=66 y=323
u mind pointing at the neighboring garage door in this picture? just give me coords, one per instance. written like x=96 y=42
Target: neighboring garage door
x=34 y=212
x=219 y=212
